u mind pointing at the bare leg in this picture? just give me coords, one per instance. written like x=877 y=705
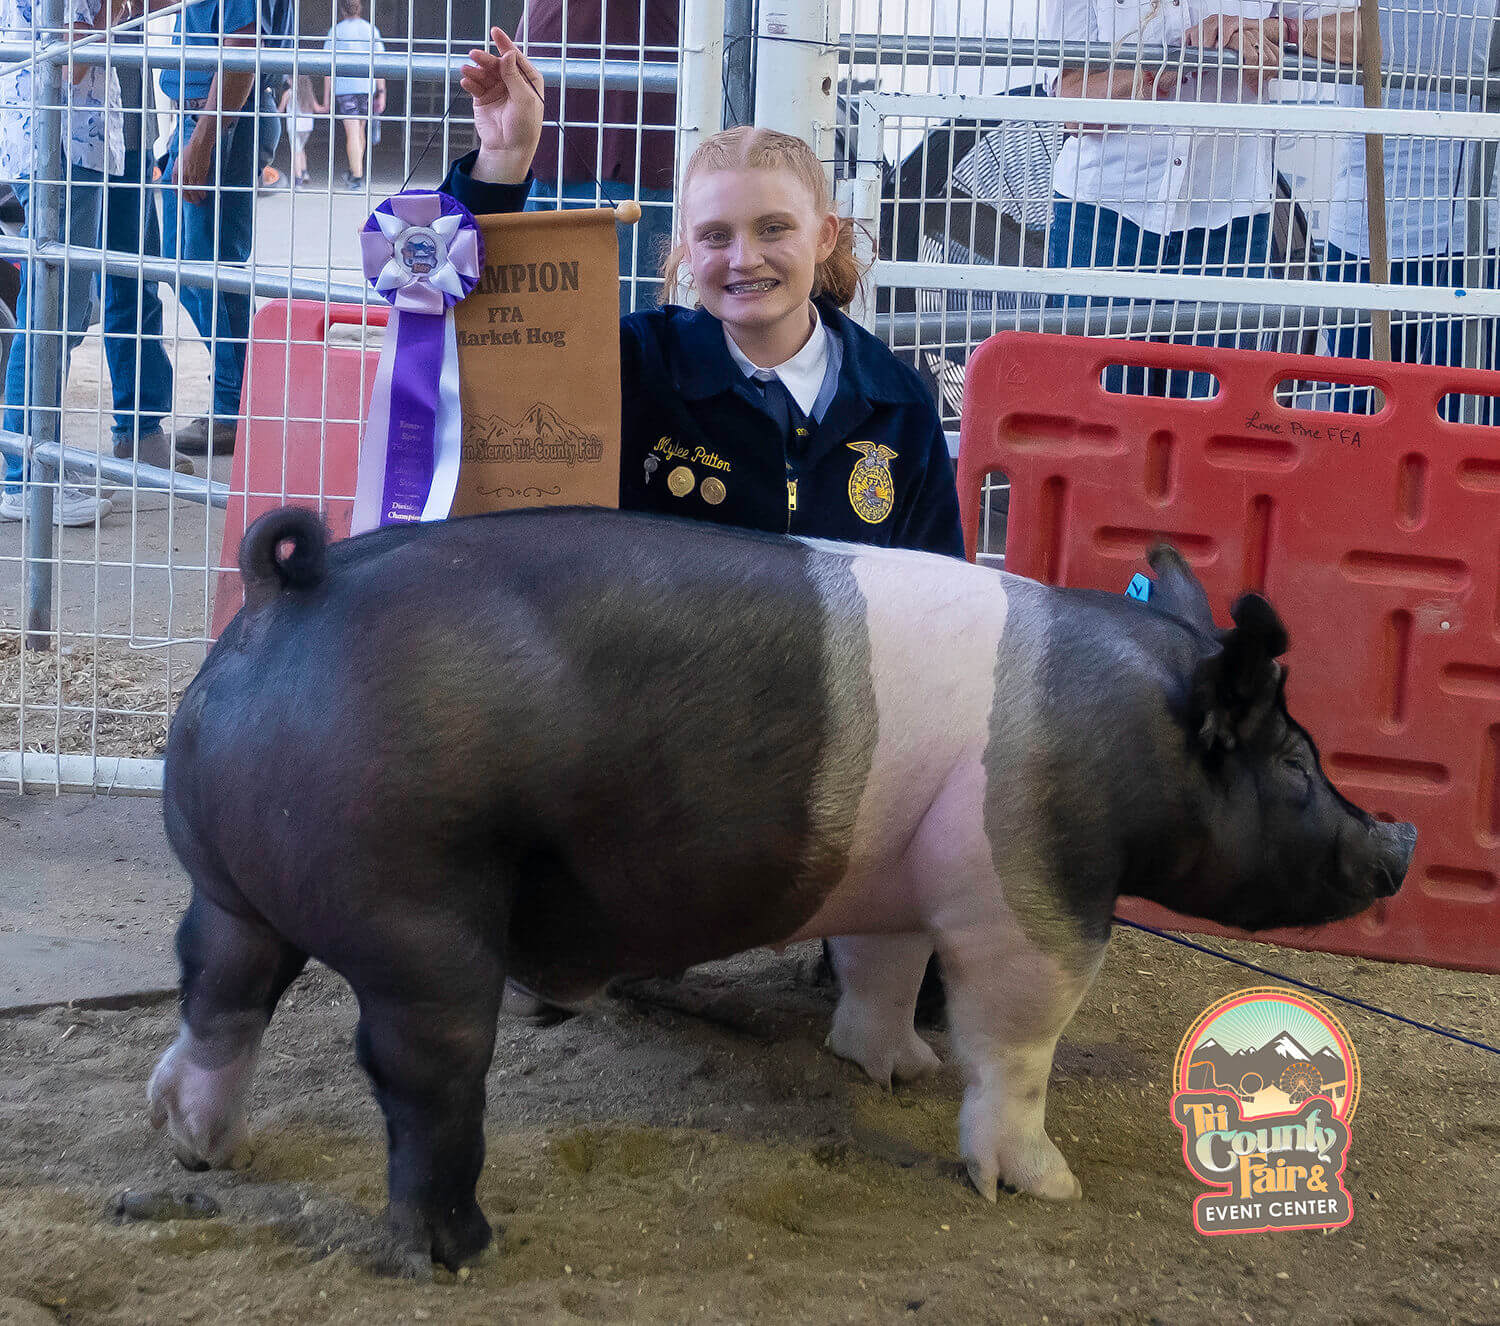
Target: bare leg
x=879 y=976
x=354 y=145
x=234 y=969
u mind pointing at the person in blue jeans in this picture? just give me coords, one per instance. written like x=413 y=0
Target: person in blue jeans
x=132 y=306
x=91 y=149
x=208 y=206
x=132 y=316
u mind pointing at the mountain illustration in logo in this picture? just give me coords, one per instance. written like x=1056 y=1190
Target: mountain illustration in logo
x=540 y=434
x=1281 y=1069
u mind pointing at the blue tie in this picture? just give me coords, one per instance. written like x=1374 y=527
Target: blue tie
x=786 y=412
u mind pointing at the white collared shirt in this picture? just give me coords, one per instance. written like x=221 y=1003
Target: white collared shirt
x=1423 y=179
x=93 y=121
x=1171 y=179
x=802 y=374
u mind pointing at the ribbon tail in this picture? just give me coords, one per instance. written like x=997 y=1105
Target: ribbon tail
x=370 y=484
x=413 y=419
x=448 y=435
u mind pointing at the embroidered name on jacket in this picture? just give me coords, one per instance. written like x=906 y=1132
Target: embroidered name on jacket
x=667 y=449
x=872 y=490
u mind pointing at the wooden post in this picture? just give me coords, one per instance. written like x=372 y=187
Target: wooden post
x=1370 y=50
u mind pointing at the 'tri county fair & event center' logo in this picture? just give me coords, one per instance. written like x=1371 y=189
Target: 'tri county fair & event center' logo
x=1264 y=1086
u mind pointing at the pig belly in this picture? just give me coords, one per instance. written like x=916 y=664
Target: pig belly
x=934 y=639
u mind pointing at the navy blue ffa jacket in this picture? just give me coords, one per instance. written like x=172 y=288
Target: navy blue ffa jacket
x=698 y=439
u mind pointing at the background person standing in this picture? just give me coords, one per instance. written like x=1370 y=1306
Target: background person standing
x=352 y=94
x=209 y=201
x=92 y=148
x=132 y=304
x=1172 y=200
x=1425 y=186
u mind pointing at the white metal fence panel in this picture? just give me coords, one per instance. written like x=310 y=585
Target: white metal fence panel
x=1132 y=167
x=141 y=297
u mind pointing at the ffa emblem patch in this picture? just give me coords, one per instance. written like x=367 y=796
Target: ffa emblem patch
x=872 y=491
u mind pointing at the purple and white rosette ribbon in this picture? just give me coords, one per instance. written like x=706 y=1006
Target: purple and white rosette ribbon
x=423 y=253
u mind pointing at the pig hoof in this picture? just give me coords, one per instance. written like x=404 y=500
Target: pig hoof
x=986 y=1182
x=1056 y=1184
x=455 y=1239
x=520 y=1003
x=1057 y=1187
x=901 y=1057
x=399 y=1262
x=201 y=1112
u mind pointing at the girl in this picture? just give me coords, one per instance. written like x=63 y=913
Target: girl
x=764 y=406
x=299 y=110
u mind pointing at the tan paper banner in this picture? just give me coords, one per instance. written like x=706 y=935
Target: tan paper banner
x=539 y=364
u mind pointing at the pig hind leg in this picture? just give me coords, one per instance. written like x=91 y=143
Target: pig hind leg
x=879 y=976
x=426 y=1037
x=234 y=970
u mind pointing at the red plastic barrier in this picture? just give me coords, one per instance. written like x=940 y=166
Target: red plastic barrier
x=303 y=403
x=1377 y=538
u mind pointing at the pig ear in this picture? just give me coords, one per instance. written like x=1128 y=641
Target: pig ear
x=1177 y=589
x=1236 y=689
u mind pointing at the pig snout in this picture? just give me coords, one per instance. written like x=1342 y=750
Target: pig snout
x=1378 y=865
x=1399 y=843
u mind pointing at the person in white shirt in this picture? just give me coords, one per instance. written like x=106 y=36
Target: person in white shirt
x=93 y=146
x=353 y=95
x=1425 y=183
x=1168 y=199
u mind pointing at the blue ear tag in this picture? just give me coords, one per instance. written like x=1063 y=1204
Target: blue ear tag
x=1139 y=588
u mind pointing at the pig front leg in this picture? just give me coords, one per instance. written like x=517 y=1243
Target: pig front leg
x=879 y=976
x=1007 y=1006
x=234 y=969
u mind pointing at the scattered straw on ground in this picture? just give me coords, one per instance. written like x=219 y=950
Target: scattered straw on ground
x=89 y=699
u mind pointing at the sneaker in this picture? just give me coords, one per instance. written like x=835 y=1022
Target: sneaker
x=76 y=507
x=153 y=448
x=203 y=433
x=73 y=507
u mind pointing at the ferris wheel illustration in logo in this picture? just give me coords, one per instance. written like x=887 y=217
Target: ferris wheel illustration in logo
x=1274 y=1050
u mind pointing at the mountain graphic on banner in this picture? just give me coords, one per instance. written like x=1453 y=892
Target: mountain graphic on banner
x=540 y=434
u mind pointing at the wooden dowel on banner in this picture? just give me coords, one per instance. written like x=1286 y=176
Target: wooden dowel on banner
x=1370 y=49
x=628 y=212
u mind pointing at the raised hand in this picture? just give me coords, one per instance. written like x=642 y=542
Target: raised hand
x=507 y=92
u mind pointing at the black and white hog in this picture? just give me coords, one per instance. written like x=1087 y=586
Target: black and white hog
x=570 y=745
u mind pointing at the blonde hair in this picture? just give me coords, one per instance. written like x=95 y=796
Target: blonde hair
x=839 y=275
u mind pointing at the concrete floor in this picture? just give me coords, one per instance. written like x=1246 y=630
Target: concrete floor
x=90 y=895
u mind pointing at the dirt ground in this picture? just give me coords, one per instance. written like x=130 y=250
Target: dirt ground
x=690 y=1152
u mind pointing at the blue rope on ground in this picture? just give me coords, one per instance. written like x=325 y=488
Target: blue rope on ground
x=1316 y=989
